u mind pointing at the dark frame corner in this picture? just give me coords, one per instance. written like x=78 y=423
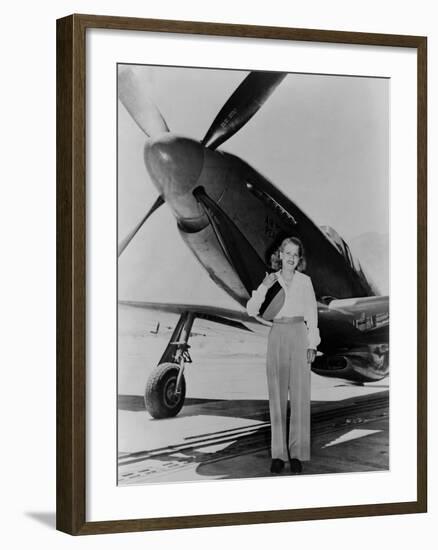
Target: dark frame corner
x=71 y=233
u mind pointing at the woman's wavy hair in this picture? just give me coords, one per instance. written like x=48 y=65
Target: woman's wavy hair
x=275 y=256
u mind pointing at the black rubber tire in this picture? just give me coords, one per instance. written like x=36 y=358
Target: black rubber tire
x=159 y=398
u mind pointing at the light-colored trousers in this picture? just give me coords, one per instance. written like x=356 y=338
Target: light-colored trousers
x=288 y=373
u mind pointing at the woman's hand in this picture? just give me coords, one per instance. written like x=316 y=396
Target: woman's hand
x=311 y=354
x=270 y=279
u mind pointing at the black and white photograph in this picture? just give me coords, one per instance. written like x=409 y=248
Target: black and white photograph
x=253 y=274
x=218 y=282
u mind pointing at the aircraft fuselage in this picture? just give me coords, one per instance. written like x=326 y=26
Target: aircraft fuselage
x=254 y=214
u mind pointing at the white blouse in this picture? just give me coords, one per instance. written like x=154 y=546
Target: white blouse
x=299 y=301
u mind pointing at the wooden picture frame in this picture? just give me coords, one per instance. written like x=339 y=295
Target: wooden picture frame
x=71 y=273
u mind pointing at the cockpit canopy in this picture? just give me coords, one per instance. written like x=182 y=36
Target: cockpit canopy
x=341 y=246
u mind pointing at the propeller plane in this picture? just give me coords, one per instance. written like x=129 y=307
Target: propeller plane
x=233 y=218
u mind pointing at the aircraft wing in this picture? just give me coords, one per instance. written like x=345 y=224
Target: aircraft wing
x=346 y=323
x=353 y=322
x=367 y=314
x=232 y=317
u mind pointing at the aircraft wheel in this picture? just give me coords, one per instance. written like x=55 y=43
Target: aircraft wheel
x=160 y=398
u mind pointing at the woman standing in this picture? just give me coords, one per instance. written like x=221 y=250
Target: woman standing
x=292 y=344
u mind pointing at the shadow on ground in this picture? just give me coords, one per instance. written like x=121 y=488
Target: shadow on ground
x=45 y=518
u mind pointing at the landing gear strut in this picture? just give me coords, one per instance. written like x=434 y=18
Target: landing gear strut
x=166 y=387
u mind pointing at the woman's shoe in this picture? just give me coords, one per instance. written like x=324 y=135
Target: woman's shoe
x=295 y=466
x=277 y=465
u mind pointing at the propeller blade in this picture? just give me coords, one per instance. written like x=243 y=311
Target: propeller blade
x=124 y=243
x=132 y=85
x=241 y=106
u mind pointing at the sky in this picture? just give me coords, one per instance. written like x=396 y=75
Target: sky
x=321 y=139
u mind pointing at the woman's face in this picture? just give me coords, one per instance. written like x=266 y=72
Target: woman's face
x=290 y=256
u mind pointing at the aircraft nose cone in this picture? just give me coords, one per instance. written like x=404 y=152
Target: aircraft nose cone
x=174 y=164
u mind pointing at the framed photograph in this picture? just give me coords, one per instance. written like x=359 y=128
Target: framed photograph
x=241 y=274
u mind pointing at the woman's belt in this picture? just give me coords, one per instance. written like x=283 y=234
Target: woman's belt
x=289 y=320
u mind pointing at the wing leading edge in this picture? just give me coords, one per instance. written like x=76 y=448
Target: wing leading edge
x=230 y=317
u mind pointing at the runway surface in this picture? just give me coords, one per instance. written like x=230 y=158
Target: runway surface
x=223 y=431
